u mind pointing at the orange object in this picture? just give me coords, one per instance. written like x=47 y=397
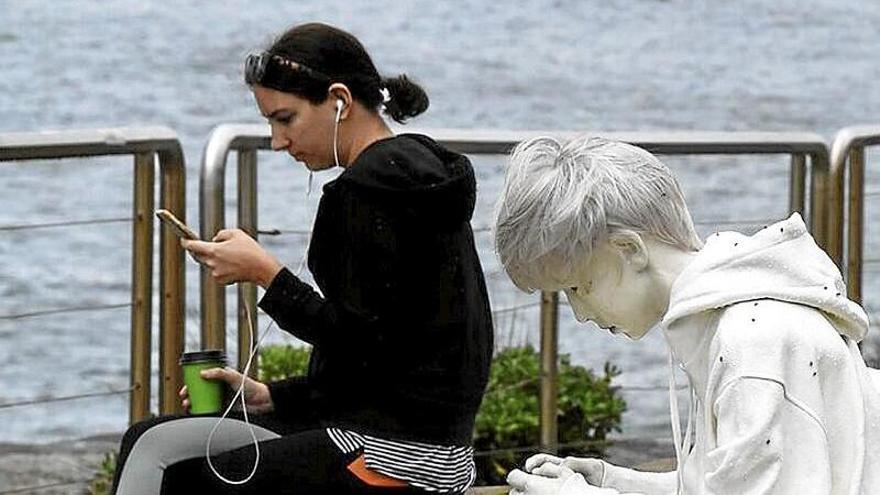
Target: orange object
x=358 y=467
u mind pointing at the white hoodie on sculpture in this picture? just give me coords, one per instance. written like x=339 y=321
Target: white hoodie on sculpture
x=783 y=402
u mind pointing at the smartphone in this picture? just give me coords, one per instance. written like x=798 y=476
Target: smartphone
x=176 y=225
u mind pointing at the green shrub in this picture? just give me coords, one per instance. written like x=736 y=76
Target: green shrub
x=507 y=425
x=282 y=361
x=101 y=483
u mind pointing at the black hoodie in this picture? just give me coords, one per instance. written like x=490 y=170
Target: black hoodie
x=403 y=335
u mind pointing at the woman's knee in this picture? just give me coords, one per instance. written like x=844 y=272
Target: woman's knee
x=135 y=431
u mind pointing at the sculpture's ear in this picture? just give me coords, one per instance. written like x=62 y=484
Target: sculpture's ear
x=631 y=249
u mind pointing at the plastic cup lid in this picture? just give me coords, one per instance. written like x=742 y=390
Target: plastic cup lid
x=210 y=355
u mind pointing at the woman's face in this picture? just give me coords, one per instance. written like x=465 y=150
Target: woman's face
x=300 y=127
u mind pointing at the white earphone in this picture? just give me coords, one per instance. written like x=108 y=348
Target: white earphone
x=339 y=105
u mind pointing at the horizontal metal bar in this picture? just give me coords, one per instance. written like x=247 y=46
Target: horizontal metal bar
x=284 y=232
x=67 y=223
x=679 y=143
x=63 y=310
x=82 y=143
x=254 y=136
x=484 y=230
x=49 y=400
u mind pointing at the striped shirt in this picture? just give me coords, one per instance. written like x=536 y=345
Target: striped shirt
x=435 y=468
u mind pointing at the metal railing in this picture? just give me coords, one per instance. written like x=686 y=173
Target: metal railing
x=145 y=144
x=247 y=139
x=848 y=154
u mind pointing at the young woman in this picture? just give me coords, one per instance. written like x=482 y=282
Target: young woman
x=402 y=334
x=782 y=401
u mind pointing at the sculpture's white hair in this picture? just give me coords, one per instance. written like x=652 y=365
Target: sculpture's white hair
x=561 y=200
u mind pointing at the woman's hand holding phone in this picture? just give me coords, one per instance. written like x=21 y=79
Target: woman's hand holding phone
x=234 y=256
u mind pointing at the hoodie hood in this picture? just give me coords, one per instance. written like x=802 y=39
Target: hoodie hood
x=417 y=177
x=780 y=262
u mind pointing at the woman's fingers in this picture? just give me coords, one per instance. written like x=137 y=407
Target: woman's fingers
x=228 y=375
x=224 y=235
x=201 y=249
x=183 y=393
x=216 y=374
x=222 y=278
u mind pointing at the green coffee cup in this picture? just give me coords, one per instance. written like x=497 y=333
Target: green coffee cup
x=205 y=396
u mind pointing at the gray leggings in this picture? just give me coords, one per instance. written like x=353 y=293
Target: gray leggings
x=166 y=456
x=170 y=442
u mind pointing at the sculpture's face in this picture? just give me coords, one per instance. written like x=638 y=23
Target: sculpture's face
x=615 y=289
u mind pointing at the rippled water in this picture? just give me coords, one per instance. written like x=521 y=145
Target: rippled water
x=539 y=64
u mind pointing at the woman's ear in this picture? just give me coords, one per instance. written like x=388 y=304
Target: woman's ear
x=631 y=248
x=340 y=92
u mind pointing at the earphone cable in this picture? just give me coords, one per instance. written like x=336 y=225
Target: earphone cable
x=255 y=347
x=240 y=393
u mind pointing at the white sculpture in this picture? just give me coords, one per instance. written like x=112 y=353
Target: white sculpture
x=782 y=399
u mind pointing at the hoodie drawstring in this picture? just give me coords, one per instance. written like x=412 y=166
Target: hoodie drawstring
x=682 y=448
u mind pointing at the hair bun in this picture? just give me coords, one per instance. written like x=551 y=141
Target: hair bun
x=408 y=99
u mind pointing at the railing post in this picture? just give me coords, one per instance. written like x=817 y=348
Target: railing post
x=549 y=351
x=856 y=223
x=821 y=192
x=172 y=284
x=849 y=147
x=797 y=184
x=247 y=221
x=212 y=201
x=142 y=286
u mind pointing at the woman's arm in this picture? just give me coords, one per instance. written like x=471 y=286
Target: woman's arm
x=234 y=256
x=297 y=308
x=289 y=394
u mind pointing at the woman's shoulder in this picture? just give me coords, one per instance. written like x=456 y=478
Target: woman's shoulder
x=406 y=162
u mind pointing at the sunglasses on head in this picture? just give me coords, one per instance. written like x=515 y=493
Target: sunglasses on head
x=257 y=66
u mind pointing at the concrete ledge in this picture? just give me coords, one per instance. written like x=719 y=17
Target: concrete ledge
x=489 y=490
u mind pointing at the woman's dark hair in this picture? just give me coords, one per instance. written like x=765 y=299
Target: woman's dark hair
x=336 y=54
